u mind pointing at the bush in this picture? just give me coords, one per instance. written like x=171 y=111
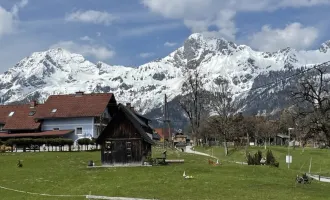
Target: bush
x=257 y=157
x=270 y=159
x=84 y=141
x=254 y=160
x=250 y=159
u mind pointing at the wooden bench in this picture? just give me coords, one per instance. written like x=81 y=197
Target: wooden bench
x=174 y=161
x=161 y=160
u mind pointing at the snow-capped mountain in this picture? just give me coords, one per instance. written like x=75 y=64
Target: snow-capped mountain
x=58 y=71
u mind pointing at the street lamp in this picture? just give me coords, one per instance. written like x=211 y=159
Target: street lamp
x=289 y=158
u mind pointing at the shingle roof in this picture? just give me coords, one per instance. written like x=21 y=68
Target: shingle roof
x=20 y=120
x=163 y=132
x=86 y=105
x=40 y=134
x=141 y=126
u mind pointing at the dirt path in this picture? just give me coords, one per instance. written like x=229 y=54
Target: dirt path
x=189 y=150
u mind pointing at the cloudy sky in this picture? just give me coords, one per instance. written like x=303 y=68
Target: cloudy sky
x=132 y=32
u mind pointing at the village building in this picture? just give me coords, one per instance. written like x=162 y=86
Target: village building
x=164 y=133
x=127 y=139
x=71 y=116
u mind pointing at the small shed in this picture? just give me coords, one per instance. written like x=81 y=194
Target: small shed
x=281 y=139
x=127 y=139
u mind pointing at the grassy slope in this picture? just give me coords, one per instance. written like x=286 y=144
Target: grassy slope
x=66 y=173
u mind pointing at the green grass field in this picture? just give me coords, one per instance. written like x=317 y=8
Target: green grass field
x=66 y=173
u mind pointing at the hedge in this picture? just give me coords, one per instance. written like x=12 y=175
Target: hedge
x=39 y=141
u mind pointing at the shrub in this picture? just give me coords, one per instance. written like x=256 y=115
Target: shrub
x=270 y=159
x=250 y=159
x=257 y=157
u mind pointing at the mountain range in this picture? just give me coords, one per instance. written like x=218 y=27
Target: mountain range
x=58 y=71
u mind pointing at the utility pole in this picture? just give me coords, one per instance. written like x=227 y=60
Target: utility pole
x=166 y=121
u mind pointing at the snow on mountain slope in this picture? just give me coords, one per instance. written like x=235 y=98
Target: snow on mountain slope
x=58 y=71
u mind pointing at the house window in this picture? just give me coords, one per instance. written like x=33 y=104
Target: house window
x=31 y=113
x=54 y=110
x=1 y=127
x=11 y=114
x=56 y=129
x=79 y=131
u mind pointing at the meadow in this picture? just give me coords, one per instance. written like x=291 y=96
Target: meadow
x=66 y=173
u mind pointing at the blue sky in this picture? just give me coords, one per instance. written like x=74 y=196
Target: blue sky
x=133 y=32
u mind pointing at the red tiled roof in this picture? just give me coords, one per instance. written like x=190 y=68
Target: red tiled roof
x=40 y=134
x=163 y=132
x=20 y=120
x=85 y=105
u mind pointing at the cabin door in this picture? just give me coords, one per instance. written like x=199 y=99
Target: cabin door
x=108 y=152
x=121 y=152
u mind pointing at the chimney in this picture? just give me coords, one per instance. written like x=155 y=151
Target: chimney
x=79 y=93
x=132 y=108
x=33 y=103
x=128 y=105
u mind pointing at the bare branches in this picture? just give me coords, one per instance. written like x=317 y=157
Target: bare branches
x=312 y=100
x=192 y=100
x=222 y=98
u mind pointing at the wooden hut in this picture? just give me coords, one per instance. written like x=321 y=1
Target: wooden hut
x=127 y=139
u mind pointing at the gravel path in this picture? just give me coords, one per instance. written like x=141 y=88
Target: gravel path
x=189 y=150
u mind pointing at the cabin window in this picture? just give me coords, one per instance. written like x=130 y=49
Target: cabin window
x=79 y=131
x=54 y=110
x=11 y=114
x=56 y=129
x=108 y=145
x=31 y=113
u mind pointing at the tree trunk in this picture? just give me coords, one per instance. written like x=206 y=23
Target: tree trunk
x=225 y=145
x=247 y=143
x=265 y=143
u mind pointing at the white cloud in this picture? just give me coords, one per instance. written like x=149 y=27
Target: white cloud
x=86 y=38
x=200 y=15
x=91 y=16
x=9 y=19
x=99 y=52
x=146 y=55
x=169 y=44
x=147 y=29
x=98 y=34
x=293 y=35
x=18 y=6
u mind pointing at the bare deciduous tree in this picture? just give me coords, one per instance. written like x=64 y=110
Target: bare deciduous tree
x=312 y=99
x=192 y=100
x=221 y=101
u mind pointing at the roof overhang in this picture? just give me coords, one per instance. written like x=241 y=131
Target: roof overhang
x=38 y=134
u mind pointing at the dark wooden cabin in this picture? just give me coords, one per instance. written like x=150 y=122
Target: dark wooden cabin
x=127 y=139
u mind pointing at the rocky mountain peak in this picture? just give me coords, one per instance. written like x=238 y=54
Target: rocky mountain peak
x=60 y=71
x=325 y=47
x=198 y=46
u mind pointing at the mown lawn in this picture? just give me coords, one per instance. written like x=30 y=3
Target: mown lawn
x=300 y=158
x=66 y=173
